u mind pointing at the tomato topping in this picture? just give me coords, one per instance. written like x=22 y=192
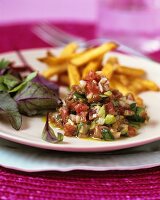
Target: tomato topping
x=92 y=87
x=131 y=131
x=92 y=76
x=110 y=108
x=70 y=130
x=71 y=105
x=83 y=116
x=64 y=114
x=81 y=107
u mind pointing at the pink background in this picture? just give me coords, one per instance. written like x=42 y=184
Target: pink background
x=30 y=10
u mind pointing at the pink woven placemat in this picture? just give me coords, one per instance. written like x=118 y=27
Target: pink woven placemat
x=134 y=185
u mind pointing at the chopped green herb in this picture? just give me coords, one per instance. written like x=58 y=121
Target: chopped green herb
x=139 y=111
x=107 y=135
x=79 y=96
x=133 y=106
x=115 y=103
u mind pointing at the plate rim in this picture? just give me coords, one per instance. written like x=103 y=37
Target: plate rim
x=74 y=149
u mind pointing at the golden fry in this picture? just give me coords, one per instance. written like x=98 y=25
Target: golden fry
x=136 y=87
x=117 y=85
x=54 y=70
x=113 y=60
x=64 y=79
x=91 y=66
x=125 y=79
x=108 y=69
x=139 y=100
x=49 y=53
x=93 y=54
x=74 y=76
x=69 y=49
x=122 y=79
x=148 y=84
x=52 y=61
x=130 y=71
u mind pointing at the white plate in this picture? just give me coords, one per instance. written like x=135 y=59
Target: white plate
x=145 y=156
x=30 y=133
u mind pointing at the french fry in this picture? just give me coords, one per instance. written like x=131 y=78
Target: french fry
x=117 y=85
x=49 y=53
x=122 y=79
x=74 y=76
x=108 y=69
x=124 y=90
x=53 y=61
x=148 y=84
x=69 y=49
x=91 y=66
x=130 y=71
x=48 y=73
x=93 y=54
x=64 y=79
x=139 y=100
x=113 y=60
x=125 y=79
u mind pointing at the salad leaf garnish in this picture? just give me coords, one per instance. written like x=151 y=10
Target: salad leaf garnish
x=23 y=84
x=35 y=99
x=10 y=81
x=8 y=108
x=49 y=134
x=31 y=96
x=48 y=83
x=4 y=64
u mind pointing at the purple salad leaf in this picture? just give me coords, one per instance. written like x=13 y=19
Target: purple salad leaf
x=25 y=81
x=9 y=109
x=36 y=99
x=50 y=84
x=49 y=134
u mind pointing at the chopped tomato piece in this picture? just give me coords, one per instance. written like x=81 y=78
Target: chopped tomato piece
x=131 y=131
x=70 y=130
x=64 y=114
x=83 y=116
x=110 y=108
x=92 y=87
x=92 y=76
x=71 y=105
x=81 y=107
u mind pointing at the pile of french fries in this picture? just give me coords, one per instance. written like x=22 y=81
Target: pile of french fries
x=71 y=66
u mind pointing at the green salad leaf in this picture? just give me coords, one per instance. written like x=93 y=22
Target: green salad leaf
x=4 y=64
x=30 y=77
x=9 y=109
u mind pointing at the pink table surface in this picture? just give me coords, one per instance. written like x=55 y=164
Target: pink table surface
x=77 y=185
